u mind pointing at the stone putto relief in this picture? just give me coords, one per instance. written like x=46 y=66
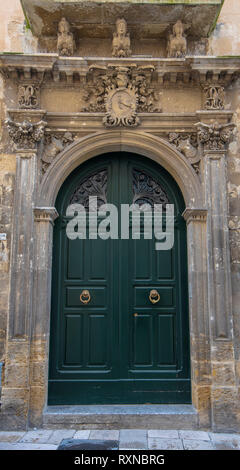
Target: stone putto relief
x=65 y=41
x=121 y=92
x=53 y=145
x=188 y=146
x=177 y=43
x=214 y=97
x=28 y=96
x=121 y=46
x=25 y=135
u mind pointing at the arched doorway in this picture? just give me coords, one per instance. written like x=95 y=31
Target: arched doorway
x=119 y=347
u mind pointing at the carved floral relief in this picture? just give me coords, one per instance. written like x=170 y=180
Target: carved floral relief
x=28 y=96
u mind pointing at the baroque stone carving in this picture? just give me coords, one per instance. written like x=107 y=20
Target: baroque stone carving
x=177 y=43
x=121 y=46
x=94 y=185
x=187 y=145
x=25 y=135
x=65 y=42
x=214 y=136
x=147 y=191
x=122 y=92
x=28 y=96
x=214 y=97
x=53 y=145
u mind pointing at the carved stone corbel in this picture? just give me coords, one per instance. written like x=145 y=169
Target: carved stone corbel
x=121 y=46
x=65 y=41
x=177 y=43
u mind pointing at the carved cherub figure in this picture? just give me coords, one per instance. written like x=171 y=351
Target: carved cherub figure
x=65 y=42
x=121 y=46
x=177 y=44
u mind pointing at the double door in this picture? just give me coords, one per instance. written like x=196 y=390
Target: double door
x=119 y=322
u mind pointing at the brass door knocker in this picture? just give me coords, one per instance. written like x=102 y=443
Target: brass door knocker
x=85 y=296
x=154 y=296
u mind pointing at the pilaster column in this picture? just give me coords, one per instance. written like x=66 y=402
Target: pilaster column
x=44 y=221
x=213 y=141
x=196 y=220
x=15 y=391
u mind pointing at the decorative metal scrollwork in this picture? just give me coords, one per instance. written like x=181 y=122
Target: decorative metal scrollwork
x=147 y=191
x=94 y=185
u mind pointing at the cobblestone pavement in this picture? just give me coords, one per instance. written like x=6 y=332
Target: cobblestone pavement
x=129 y=439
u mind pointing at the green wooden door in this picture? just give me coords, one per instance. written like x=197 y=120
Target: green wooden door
x=119 y=347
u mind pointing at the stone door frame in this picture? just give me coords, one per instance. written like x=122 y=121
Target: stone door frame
x=214 y=391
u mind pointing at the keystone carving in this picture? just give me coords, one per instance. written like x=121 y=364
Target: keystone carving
x=53 y=145
x=65 y=42
x=25 y=135
x=121 y=46
x=214 y=136
x=177 y=43
x=214 y=97
x=28 y=96
x=187 y=145
x=121 y=92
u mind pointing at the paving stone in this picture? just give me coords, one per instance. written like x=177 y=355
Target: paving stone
x=82 y=434
x=60 y=434
x=165 y=444
x=11 y=436
x=224 y=437
x=26 y=446
x=85 y=444
x=191 y=444
x=105 y=434
x=201 y=435
x=133 y=439
x=223 y=445
x=163 y=434
x=40 y=436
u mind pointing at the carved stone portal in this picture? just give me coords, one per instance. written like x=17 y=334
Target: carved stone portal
x=177 y=43
x=121 y=46
x=65 y=42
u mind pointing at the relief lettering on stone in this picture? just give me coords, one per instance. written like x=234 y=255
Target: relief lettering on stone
x=28 y=96
x=214 y=136
x=121 y=92
x=177 y=43
x=214 y=97
x=26 y=134
x=65 y=41
x=121 y=46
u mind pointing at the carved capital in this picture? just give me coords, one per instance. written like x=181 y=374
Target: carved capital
x=214 y=136
x=26 y=134
x=45 y=214
x=194 y=215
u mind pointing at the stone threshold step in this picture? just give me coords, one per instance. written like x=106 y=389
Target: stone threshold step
x=121 y=417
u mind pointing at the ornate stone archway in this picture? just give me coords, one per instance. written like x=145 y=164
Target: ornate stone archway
x=210 y=324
